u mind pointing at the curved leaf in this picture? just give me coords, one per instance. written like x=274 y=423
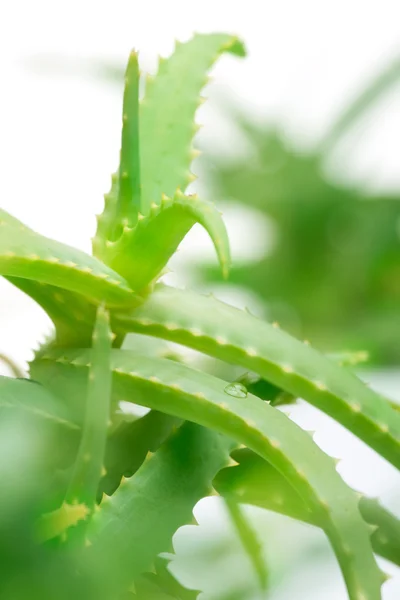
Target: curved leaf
x=129 y=170
x=196 y=396
x=139 y=520
x=128 y=446
x=235 y=336
x=81 y=494
x=26 y=254
x=254 y=481
x=89 y=462
x=29 y=396
x=142 y=251
x=167 y=111
x=166 y=131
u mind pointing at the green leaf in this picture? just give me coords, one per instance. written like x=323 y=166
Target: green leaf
x=128 y=205
x=26 y=254
x=254 y=481
x=31 y=397
x=81 y=494
x=142 y=251
x=166 y=130
x=128 y=446
x=196 y=396
x=349 y=359
x=167 y=113
x=220 y=330
x=276 y=396
x=139 y=520
x=89 y=462
x=166 y=581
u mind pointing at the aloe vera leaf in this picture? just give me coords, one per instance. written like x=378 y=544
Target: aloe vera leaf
x=81 y=494
x=89 y=462
x=349 y=359
x=128 y=446
x=64 y=308
x=254 y=481
x=31 y=397
x=147 y=588
x=167 y=581
x=248 y=538
x=139 y=520
x=128 y=205
x=167 y=112
x=142 y=251
x=205 y=324
x=166 y=130
x=267 y=391
x=198 y=397
x=106 y=219
x=26 y=254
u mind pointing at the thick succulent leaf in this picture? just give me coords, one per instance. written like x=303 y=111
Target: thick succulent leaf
x=349 y=359
x=167 y=112
x=147 y=588
x=31 y=397
x=235 y=336
x=128 y=205
x=128 y=446
x=166 y=581
x=89 y=462
x=87 y=471
x=142 y=251
x=254 y=481
x=26 y=254
x=66 y=309
x=106 y=220
x=249 y=539
x=276 y=396
x=166 y=130
x=139 y=520
x=198 y=397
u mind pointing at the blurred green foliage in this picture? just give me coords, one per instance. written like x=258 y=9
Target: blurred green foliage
x=333 y=274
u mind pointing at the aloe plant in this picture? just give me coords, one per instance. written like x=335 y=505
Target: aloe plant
x=104 y=493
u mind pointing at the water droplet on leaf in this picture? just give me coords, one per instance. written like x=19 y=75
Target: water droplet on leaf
x=236 y=389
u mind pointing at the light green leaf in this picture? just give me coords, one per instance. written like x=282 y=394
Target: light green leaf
x=254 y=481
x=89 y=462
x=31 y=397
x=142 y=251
x=26 y=254
x=128 y=205
x=139 y=520
x=192 y=395
x=220 y=330
x=167 y=113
